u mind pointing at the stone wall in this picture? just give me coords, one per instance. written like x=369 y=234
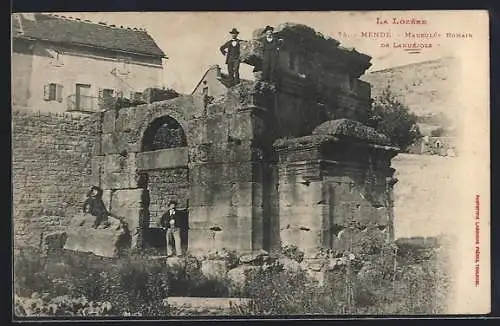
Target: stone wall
x=166 y=184
x=334 y=191
x=424 y=196
x=51 y=156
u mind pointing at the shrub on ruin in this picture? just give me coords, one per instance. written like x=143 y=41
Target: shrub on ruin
x=394 y=119
x=292 y=252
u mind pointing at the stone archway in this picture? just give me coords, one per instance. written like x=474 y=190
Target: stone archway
x=164 y=158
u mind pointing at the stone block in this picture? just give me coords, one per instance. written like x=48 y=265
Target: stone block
x=303 y=194
x=205 y=196
x=196 y=132
x=131 y=215
x=215 y=109
x=301 y=172
x=214 y=215
x=134 y=198
x=247 y=193
x=114 y=163
x=108 y=122
x=101 y=242
x=217 y=128
x=162 y=159
x=207 y=174
x=118 y=181
x=205 y=241
x=214 y=268
x=240 y=275
x=53 y=241
x=198 y=214
x=240 y=151
x=245 y=217
x=108 y=144
x=307 y=217
x=305 y=240
x=129 y=141
x=245 y=172
x=126 y=120
x=241 y=126
x=97 y=163
x=244 y=240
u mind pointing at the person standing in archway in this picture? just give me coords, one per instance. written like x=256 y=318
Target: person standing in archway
x=231 y=49
x=171 y=223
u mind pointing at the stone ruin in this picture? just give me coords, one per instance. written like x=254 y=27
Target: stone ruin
x=263 y=165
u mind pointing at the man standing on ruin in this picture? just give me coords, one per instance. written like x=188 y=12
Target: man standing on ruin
x=170 y=221
x=270 y=58
x=231 y=49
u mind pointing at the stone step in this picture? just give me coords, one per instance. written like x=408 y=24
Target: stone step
x=200 y=303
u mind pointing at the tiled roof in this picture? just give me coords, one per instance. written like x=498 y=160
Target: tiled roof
x=64 y=30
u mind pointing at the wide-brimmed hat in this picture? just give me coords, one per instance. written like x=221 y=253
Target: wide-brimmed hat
x=98 y=189
x=234 y=31
x=268 y=28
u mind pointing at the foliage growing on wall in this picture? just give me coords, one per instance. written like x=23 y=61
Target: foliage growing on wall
x=391 y=117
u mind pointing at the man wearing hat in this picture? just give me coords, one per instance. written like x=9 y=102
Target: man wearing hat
x=171 y=223
x=231 y=49
x=270 y=58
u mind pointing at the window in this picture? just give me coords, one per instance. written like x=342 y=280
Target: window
x=53 y=92
x=106 y=97
x=83 y=99
x=107 y=93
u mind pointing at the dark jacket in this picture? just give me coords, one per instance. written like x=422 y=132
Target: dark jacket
x=233 y=52
x=95 y=206
x=271 y=47
x=177 y=217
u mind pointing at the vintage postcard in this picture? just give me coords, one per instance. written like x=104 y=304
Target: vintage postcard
x=243 y=164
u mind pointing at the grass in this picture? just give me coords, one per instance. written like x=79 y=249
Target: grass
x=412 y=282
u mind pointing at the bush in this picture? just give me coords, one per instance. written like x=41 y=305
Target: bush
x=392 y=118
x=293 y=253
x=134 y=284
x=410 y=280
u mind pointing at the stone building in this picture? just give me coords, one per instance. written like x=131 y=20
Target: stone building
x=63 y=64
x=262 y=165
x=258 y=167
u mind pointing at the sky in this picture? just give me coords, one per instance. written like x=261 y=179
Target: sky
x=191 y=40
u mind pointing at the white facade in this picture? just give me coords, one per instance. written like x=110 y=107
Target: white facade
x=96 y=71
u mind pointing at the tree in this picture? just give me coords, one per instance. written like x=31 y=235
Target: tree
x=392 y=118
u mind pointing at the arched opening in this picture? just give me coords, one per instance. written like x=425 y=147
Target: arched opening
x=163 y=133
x=164 y=159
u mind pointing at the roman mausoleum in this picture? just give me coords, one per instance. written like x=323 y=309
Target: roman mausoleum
x=258 y=165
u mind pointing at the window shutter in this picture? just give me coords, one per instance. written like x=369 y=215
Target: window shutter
x=59 y=96
x=132 y=95
x=100 y=94
x=46 y=92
